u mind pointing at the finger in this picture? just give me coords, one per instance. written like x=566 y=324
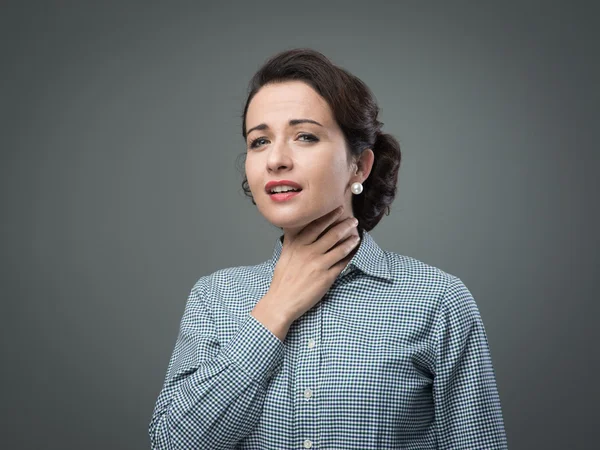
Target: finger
x=339 y=256
x=336 y=234
x=313 y=231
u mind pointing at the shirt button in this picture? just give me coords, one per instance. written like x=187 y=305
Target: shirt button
x=307 y=443
x=311 y=343
x=308 y=393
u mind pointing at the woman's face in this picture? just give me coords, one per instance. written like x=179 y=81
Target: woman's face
x=313 y=155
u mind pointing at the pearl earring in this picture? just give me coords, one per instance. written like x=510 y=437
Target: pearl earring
x=356 y=188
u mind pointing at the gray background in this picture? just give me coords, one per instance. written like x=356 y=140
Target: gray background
x=120 y=133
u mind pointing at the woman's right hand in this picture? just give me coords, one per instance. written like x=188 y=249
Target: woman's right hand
x=307 y=267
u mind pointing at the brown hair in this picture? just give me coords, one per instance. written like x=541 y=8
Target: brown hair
x=355 y=110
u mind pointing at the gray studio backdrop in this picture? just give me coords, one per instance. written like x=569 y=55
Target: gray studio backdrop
x=120 y=135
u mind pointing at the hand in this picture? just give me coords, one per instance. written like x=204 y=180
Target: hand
x=307 y=267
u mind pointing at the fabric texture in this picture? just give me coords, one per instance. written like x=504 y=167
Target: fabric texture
x=395 y=356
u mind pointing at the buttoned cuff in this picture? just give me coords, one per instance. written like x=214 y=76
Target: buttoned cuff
x=256 y=350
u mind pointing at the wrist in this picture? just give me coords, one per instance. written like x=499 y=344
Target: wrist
x=272 y=317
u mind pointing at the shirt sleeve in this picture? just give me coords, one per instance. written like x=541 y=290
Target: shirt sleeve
x=467 y=405
x=213 y=394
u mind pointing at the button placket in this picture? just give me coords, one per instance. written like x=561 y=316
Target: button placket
x=307 y=380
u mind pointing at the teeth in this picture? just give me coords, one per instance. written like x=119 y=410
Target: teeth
x=283 y=189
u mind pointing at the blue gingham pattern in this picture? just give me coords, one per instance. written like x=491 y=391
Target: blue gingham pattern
x=395 y=356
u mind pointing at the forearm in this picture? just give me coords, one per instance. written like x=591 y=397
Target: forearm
x=216 y=403
x=209 y=411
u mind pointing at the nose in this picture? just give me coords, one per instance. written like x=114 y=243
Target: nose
x=279 y=157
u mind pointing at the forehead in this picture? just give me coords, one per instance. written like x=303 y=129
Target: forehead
x=277 y=103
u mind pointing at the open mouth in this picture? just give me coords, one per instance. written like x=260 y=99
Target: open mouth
x=284 y=192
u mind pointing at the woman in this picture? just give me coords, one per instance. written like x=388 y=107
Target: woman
x=333 y=343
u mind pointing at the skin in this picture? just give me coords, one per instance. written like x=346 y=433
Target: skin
x=318 y=241
x=323 y=167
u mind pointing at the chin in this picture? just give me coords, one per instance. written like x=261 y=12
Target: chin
x=292 y=216
x=289 y=222
x=290 y=219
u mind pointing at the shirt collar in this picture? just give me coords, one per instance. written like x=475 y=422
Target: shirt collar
x=369 y=258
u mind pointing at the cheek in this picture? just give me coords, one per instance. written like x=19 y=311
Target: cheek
x=334 y=174
x=327 y=170
x=250 y=172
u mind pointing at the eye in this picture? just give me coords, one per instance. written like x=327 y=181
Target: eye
x=254 y=142
x=310 y=137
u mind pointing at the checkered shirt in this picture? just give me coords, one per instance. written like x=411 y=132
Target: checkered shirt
x=394 y=356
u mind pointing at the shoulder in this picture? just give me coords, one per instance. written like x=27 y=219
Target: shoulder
x=417 y=272
x=231 y=285
x=237 y=274
x=446 y=288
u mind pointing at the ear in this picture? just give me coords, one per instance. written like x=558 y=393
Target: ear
x=363 y=165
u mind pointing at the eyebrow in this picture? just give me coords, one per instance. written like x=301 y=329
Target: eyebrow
x=292 y=122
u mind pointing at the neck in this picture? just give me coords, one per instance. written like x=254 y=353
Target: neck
x=291 y=233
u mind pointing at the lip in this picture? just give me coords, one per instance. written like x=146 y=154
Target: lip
x=271 y=184
x=283 y=196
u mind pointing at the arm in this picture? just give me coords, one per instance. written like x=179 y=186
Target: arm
x=213 y=395
x=467 y=404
